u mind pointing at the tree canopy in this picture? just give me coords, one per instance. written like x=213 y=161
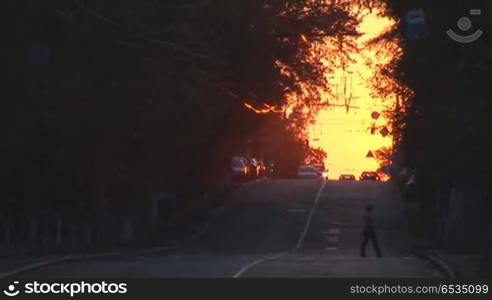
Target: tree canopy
x=139 y=94
x=445 y=130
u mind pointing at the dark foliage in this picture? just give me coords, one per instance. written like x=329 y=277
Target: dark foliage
x=105 y=101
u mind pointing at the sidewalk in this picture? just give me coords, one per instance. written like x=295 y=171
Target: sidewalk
x=7 y=265
x=17 y=264
x=467 y=265
x=11 y=266
x=454 y=264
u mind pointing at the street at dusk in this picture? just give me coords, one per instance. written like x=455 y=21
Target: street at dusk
x=344 y=142
x=267 y=219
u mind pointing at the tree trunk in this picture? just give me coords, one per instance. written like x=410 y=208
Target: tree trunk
x=102 y=200
x=128 y=230
x=153 y=214
x=33 y=232
x=71 y=232
x=58 y=239
x=171 y=223
x=100 y=217
x=87 y=234
x=7 y=229
x=45 y=233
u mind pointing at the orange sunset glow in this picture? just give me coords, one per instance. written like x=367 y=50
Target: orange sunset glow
x=349 y=120
x=345 y=134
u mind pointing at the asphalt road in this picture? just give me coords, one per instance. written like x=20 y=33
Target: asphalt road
x=279 y=228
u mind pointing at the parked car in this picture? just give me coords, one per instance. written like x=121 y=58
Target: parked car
x=308 y=172
x=321 y=170
x=348 y=177
x=239 y=167
x=263 y=168
x=255 y=167
x=368 y=175
x=242 y=159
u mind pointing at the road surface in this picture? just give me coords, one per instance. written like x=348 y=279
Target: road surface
x=280 y=228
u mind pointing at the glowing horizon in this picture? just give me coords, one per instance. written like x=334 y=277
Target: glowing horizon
x=345 y=135
x=341 y=123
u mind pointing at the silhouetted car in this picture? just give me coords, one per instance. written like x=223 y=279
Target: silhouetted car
x=255 y=167
x=263 y=168
x=321 y=170
x=239 y=167
x=369 y=176
x=346 y=177
x=308 y=172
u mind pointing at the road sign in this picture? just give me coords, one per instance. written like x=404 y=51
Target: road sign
x=384 y=132
x=370 y=155
x=416 y=24
x=373 y=129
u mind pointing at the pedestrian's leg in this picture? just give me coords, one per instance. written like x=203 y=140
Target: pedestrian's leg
x=375 y=244
x=365 y=239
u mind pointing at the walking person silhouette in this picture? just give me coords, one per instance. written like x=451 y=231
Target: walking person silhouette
x=369 y=232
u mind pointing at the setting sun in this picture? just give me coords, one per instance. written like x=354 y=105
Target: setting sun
x=352 y=126
x=348 y=121
x=348 y=134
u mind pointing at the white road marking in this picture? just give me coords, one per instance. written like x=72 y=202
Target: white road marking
x=308 y=222
x=338 y=223
x=307 y=258
x=331 y=248
x=333 y=239
x=334 y=231
x=298 y=245
x=257 y=262
x=296 y=210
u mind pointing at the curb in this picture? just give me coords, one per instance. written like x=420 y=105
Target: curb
x=87 y=257
x=54 y=261
x=438 y=262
